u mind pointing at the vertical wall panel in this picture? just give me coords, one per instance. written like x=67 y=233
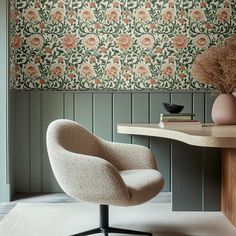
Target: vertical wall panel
x=12 y=153
x=159 y=146
x=140 y=114
x=35 y=142
x=209 y=100
x=84 y=110
x=22 y=143
x=68 y=106
x=184 y=99
x=102 y=111
x=199 y=106
x=52 y=108
x=121 y=114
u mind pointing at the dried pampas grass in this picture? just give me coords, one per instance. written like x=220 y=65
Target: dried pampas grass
x=217 y=66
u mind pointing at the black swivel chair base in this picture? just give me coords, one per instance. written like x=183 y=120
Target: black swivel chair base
x=104 y=226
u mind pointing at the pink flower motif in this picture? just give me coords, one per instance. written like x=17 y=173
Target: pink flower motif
x=37 y=4
x=116 y=4
x=71 y=68
x=142 y=15
x=57 y=14
x=208 y=26
x=17 y=41
x=159 y=50
x=201 y=41
x=152 y=81
x=180 y=41
x=142 y=70
x=148 y=4
x=35 y=41
x=182 y=75
x=152 y=26
x=42 y=81
x=37 y=60
x=69 y=41
x=203 y=4
x=92 y=4
x=42 y=25
x=112 y=70
x=182 y=21
x=31 y=70
x=71 y=21
x=48 y=50
x=148 y=60
x=57 y=70
x=113 y=15
x=60 y=59
x=182 y=68
x=124 y=41
x=91 y=41
x=168 y=15
x=71 y=76
x=127 y=76
x=98 y=81
x=98 y=26
x=87 y=70
x=103 y=49
x=168 y=69
x=87 y=14
x=223 y=14
x=126 y=20
x=146 y=41
x=171 y=3
x=127 y=68
x=127 y=13
x=227 y=3
x=116 y=59
x=31 y=14
x=198 y=14
x=92 y=59
x=171 y=59
x=61 y=3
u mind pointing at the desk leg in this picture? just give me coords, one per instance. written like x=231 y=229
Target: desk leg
x=228 y=184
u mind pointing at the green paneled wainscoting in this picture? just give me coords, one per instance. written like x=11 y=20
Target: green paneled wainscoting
x=196 y=171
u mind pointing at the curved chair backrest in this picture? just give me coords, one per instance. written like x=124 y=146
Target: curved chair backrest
x=74 y=138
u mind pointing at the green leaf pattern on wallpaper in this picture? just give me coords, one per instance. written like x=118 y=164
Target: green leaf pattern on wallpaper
x=116 y=45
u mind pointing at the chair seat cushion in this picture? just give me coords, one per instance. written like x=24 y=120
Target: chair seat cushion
x=143 y=184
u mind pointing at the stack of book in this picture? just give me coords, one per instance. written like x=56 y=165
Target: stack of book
x=180 y=119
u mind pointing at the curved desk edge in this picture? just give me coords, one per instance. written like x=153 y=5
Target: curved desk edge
x=179 y=135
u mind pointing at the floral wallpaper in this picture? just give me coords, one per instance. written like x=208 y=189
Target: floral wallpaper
x=113 y=45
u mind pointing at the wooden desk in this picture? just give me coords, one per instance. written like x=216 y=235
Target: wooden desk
x=223 y=137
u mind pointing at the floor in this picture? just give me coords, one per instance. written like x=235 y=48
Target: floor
x=164 y=197
x=156 y=218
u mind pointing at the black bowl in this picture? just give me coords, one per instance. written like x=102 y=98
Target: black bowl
x=172 y=108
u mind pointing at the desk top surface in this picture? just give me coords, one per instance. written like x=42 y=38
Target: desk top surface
x=208 y=135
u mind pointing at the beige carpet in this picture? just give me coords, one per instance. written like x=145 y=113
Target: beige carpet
x=62 y=219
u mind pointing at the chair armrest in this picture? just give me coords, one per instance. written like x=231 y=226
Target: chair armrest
x=128 y=156
x=88 y=178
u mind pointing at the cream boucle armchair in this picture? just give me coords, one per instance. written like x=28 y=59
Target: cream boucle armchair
x=91 y=169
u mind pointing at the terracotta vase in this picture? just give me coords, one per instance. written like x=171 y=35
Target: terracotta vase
x=224 y=110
